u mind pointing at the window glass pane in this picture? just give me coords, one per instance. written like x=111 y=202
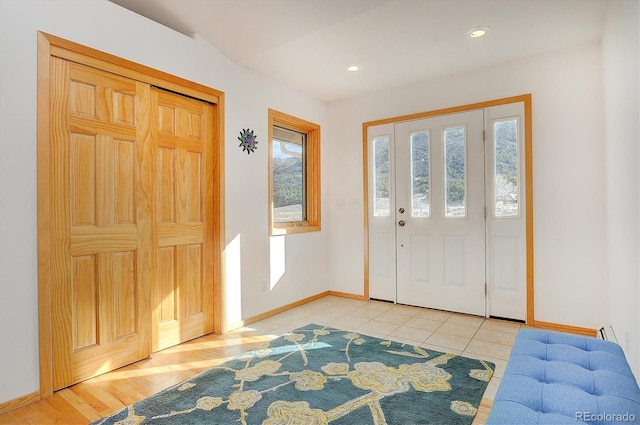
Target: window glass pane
x=454 y=179
x=506 y=178
x=420 y=194
x=288 y=175
x=381 y=177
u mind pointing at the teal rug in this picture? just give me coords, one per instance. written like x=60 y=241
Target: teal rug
x=319 y=375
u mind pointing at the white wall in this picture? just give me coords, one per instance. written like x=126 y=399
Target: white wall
x=569 y=185
x=569 y=170
x=110 y=28
x=622 y=111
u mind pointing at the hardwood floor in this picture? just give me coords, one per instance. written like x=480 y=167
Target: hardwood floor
x=95 y=398
x=483 y=412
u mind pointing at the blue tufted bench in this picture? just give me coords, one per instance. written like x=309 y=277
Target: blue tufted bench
x=556 y=378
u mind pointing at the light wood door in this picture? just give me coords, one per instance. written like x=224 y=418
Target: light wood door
x=182 y=130
x=101 y=252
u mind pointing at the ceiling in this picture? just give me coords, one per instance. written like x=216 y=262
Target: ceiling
x=307 y=44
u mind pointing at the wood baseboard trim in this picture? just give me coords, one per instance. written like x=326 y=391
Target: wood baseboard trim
x=275 y=311
x=348 y=295
x=303 y=301
x=565 y=328
x=7 y=406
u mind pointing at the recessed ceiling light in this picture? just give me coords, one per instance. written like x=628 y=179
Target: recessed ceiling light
x=477 y=32
x=353 y=68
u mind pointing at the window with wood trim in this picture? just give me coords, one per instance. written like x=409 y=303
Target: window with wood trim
x=294 y=174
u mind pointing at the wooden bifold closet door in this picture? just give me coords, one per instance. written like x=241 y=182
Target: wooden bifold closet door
x=131 y=213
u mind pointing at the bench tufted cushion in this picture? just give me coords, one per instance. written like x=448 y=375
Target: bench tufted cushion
x=556 y=378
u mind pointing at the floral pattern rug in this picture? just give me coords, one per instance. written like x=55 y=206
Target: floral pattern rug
x=319 y=375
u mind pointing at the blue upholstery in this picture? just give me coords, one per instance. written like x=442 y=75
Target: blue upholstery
x=556 y=378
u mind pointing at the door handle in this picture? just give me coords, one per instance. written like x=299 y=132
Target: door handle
x=401 y=223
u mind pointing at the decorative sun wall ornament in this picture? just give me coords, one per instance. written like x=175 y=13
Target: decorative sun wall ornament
x=248 y=141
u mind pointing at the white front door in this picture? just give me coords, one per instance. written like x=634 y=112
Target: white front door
x=444 y=229
x=440 y=212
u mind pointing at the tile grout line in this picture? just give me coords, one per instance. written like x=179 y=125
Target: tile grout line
x=474 y=335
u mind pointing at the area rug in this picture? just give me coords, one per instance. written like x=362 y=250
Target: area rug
x=319 y=375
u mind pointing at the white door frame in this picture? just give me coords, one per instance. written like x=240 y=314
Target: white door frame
x=527 y=173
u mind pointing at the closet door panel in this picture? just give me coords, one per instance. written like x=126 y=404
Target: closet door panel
x=101 y=227
x=182 y=130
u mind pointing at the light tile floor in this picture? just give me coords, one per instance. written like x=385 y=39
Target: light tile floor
x=470 y=336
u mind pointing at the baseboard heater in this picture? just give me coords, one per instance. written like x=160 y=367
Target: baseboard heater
x=606 y=332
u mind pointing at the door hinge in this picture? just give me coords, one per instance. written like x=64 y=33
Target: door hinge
x=484 y=136
x=486 y=288
x=485 y=213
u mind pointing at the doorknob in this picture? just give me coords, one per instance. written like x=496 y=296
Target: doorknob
x=401 y=223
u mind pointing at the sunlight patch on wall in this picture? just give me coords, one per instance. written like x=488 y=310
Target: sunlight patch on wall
x=277 y=260
x=233 y=290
